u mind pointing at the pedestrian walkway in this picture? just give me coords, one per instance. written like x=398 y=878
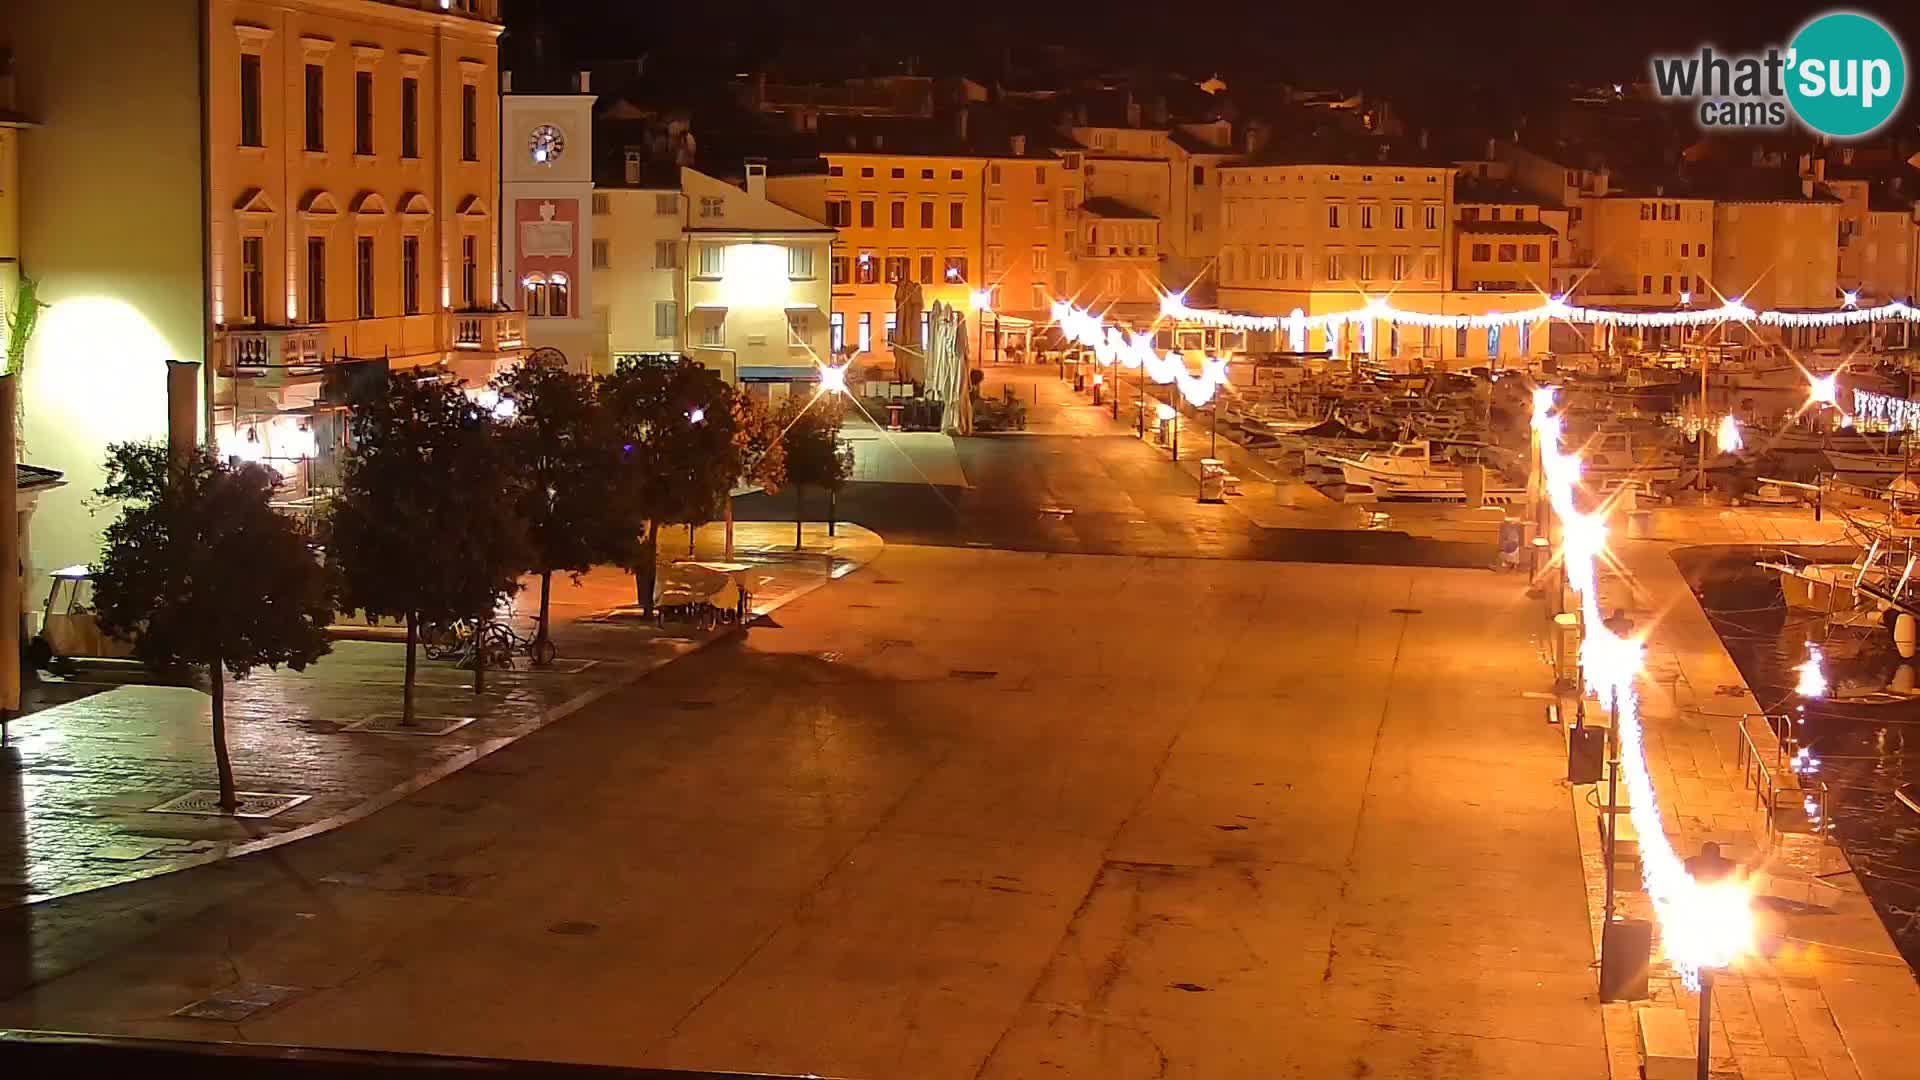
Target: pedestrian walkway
x=1825 y=995
x=84 y=773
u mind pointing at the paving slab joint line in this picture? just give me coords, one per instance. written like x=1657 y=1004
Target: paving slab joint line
x=441 y=770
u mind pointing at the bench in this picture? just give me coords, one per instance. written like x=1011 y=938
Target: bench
x=1215 y=469
x=1667 y=1049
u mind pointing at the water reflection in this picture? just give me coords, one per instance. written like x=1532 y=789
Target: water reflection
x=1863 y=740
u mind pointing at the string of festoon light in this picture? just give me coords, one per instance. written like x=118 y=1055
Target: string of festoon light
x=1379 y=309
x=1111 y=346
x=1701 y=924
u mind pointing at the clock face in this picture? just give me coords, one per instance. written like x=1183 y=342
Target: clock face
x=546 y=144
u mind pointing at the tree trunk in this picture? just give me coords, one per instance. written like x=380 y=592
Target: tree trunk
x=406 y=692
x=216 y=675
x=542 y=636
x=649 y=568
x=798 y=516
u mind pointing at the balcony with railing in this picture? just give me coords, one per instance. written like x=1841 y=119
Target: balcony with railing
x=272 y=354
x=488 y=331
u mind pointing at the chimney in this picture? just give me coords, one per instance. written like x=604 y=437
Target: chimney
x=1133 y=112
x=879 y=141
x=1806 y=187
x=1080 y=116
x=583 y=83
x=1017 y=144
x=757 y=177
x=1490 y=145
x=1158 y=114
x=1600 y=179
x=1846 y=156
x=506 y=82
x=1423 y=138
x=960 y=123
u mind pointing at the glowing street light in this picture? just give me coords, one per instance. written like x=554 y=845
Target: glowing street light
x=833 y=380
x=1729 y=435
x=1824 y=389
x=697 y=416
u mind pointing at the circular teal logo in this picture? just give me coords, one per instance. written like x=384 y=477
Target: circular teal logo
x=1846 y=74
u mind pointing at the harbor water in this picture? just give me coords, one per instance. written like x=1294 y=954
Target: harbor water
x=1863 y=739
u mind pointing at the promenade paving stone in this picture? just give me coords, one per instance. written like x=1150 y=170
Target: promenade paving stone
x=1827 y=995
x=86 y=770
x=1272 y=848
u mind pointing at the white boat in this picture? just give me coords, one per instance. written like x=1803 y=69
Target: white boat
x=1847 y=461
x=1409 y=470
x=1614 y=455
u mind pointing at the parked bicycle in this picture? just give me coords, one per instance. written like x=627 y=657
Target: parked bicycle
x=465 y=641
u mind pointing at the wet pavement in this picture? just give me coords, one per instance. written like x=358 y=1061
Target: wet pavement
x=1079 y=482
x=86 y=769
x=964 y=814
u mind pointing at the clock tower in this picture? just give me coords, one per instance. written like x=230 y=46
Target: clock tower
x=546 y=218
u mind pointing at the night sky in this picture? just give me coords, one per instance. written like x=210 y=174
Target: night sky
x=1453 y=62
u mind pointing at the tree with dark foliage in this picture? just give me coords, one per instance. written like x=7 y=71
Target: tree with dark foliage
x=200 y=570
x=565 y=455
x=427 y=525
x=815 y=454
x=678 y=455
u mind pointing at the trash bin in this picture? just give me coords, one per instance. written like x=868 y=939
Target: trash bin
x=1213 y=481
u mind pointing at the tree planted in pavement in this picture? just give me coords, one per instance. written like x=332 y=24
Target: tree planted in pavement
x=199 y=570
x=815 y=454
x=562 y=450
x=674 y=421
x=427 y=524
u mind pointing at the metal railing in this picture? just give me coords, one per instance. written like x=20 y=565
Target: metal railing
x=45 y=1054
x=1767 y=780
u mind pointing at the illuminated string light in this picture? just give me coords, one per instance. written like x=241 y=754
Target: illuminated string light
x=1112 y=346
x=1701 y=925
x=1377 y=309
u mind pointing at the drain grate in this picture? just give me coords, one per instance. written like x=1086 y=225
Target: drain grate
x=574 y=928
x=1406 y=611
x=885 y=581
x=237 y=1003
x=970 y=673
x=251 y=804
x=391 y=724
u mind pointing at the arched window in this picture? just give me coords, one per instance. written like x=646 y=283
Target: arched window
x=535 y=288
x=557 y=296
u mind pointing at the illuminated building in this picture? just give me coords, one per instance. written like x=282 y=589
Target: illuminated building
x=547 y=243
x=1325 y=232
x=951 y=213
x=756 y=282
x=270 y=189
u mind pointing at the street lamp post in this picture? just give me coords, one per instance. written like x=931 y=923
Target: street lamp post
x=1706 y=1023
x=982 y=304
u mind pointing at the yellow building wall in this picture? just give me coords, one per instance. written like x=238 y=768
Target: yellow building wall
x=1644 y=260
x=111 y=227
x=1028 y=253
x=633 y=283
x=332 y=194
x=1883 y=258
x=1288 y=210
x=912 y=181
x=1777 y=254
